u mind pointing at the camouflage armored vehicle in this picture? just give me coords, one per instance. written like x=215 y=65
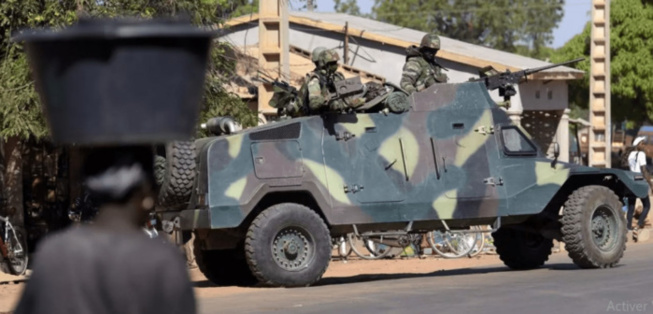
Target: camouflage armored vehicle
x=267 y=200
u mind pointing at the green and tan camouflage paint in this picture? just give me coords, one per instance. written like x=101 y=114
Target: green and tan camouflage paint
x=434 y=162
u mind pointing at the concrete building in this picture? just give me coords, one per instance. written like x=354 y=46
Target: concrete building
x=376 y=51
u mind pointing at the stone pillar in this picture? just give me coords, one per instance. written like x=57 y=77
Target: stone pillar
x=516 y=108
x=563 y=136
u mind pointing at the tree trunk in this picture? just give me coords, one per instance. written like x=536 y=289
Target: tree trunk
x=13 y=183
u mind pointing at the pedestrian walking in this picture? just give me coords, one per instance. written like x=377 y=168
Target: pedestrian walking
x=637 y=163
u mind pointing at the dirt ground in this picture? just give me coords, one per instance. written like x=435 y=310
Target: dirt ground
x=351 y=270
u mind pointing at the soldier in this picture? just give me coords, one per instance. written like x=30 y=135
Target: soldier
x=320 y=85
x=421 y=70
x=293 y=105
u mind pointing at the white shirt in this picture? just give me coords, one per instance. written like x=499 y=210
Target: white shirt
x=636 y=160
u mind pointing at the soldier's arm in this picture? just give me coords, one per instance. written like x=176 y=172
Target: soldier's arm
x=315 y=97
x=409 y=76
x=440 y=76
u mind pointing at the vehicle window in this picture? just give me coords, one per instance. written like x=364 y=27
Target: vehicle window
x=514 y=142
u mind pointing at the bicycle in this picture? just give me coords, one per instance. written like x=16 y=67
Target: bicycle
x=13 y=247
x=456 y=244
x=383 y=244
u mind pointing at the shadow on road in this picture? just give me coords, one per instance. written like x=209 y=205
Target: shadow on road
x=441 y=273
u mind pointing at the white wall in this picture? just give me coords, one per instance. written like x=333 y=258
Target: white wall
x=544 y=95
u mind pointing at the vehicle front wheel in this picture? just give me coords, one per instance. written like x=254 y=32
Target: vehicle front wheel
x=288 y=245
x=520 y=249
x=593 y=227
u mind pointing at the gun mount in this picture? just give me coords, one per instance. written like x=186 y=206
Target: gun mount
x=504 y=80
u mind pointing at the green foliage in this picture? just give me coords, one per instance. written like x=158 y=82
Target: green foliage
x=631 y=67
x=500 y=24
x=217 y=102
x=347 y=6
x=19 y=104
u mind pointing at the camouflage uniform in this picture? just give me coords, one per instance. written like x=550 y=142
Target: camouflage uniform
x=288 y=104
x=419 y=73
x=319 y=85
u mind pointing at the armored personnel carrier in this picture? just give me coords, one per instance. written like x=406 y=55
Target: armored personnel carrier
x=266 y=201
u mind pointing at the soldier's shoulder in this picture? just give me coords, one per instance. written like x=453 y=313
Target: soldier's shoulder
x=413 y=64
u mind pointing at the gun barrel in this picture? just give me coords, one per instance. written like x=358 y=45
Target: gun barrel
x=546 y=67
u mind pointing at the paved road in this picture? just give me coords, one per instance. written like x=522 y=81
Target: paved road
x=559 y=287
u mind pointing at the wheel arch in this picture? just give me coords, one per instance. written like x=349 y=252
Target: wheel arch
x=302 y=197
x=547 y=222
x=575 y=182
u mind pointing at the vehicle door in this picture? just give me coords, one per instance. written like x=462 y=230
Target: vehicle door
x=470 y=163
x=363 y=158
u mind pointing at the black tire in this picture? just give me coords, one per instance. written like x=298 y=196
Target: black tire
x=17 y=261
x=288 y=245
x=224 y=267
x=159 y=170
x=179 y=175
x=519 y=249
x=593 y=227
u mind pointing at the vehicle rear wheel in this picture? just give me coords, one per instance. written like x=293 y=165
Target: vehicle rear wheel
x=520 y=249
x=175 y=174
x=288 y=245
x=224 y=267
x=593 y=227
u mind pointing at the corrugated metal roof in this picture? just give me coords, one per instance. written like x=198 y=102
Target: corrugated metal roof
x=448 y=44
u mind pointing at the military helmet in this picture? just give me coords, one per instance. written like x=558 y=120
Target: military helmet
x=327 y=56
x=315 y=56
x=430 y=41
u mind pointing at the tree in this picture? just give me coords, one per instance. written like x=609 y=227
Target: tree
x=631 y=61
x=20 y=114
x=500 y=24
x=347 y=6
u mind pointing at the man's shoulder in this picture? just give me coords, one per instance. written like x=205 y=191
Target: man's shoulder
x=636 y=154
x=414 y=63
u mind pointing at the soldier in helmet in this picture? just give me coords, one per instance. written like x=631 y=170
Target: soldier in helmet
x=421 y=70
x=320 y=85
x=290 y=105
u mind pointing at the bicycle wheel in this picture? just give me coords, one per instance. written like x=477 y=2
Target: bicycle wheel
x=451 y=244
x=361 y=244
x=479 y=241
x=17 y=252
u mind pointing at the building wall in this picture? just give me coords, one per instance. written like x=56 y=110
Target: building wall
x=544 y=95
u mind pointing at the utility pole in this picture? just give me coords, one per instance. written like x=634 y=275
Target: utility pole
x=600 y=139
x=273 y=43
x=346 y=52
